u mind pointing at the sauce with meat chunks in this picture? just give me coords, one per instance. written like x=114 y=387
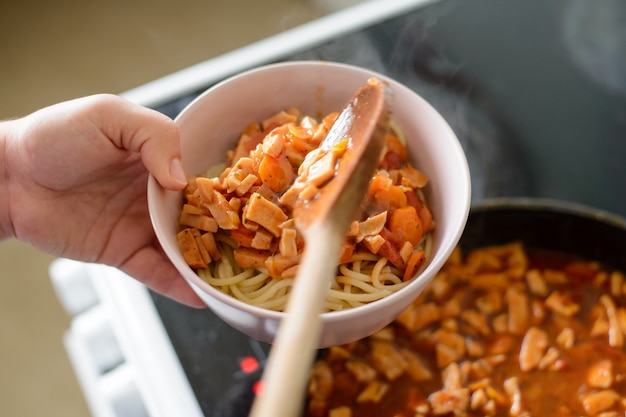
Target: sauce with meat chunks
x=238 y=224
x=501 y=331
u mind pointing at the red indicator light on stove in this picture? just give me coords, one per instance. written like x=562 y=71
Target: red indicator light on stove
x=249 y=364
x=257 y=388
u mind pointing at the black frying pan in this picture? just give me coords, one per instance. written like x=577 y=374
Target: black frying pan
x=548 y=224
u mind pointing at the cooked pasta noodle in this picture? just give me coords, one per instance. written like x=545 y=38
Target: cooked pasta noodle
x=364 y=279
x=237 y=228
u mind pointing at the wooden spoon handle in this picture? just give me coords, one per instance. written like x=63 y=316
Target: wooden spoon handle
x=288 y=367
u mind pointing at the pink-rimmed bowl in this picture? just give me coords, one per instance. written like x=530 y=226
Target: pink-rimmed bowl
x=210 y=126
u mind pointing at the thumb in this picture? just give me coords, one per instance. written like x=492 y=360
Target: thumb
x=154 y=135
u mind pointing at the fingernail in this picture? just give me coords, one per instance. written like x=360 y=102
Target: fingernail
x=177 y=172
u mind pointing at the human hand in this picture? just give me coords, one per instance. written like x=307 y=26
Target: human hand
x=75 y=184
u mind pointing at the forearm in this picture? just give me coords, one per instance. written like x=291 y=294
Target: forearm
x=7 y=130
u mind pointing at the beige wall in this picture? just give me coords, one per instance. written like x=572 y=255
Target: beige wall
x=54 y=50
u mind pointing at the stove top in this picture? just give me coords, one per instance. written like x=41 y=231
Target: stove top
x=536 y=93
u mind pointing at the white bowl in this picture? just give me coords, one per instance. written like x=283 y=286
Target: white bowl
x=211 y=125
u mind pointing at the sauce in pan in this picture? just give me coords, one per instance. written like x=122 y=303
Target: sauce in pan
x=501 y=331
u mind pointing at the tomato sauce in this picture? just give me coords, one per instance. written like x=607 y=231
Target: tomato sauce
x=501 y=331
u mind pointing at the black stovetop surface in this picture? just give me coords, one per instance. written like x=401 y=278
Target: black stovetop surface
x=536 y=93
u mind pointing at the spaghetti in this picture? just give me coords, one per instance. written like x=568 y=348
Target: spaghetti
x=238 y=232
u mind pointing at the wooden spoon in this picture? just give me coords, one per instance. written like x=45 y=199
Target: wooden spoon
x=323 y=213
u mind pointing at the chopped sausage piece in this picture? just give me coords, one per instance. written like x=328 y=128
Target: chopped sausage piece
x=416 y=367
x=262 y=240
x=235 y=203
x=246 y=184
x=485 y=260
x=490 y=280
x=445 y=402
x=496 y=359
x=501 y=343
x=511 y=386
x=386 y=333
x=247 y=141
x=474 y=347
x=362 y=372
x=477 y=320
x=562 y=304
x=489 y=303
x=412 y=177
x=340 y=412
x=283 y=117
x=371 y=226
x=387 y=359
x=418 y=316
x=191 y=209
x=450 y=324
x=549 y=359
x=518 y=311
x=495 y=395
x=250 y=258
x=204 y=253
x=374 y=243
x=262 y=211
x=481 y=368
x=600 y=374
x=405 y=251
x=274 y=143
x=451 y=308
x=232 y=182
x=533 y=347
x=208 y=240
x=221 y=210
x=206 y=189
x=451 y=377
x=600 y=327
x=490 y=408
x=288 y=245
x=554 y=276
x=373 y=392
x=202 y=222
x=322 y=169
x=321 y=379
x=280 y=266
x=446 y=355
x=536 y=283
x=500 y=323
x=596 y=402
x=566 y=338
x=190 y=249
x=538 y=311
x=241 y=178
x=338 y=353
x=478 y=399
x=440 y=287
x=517 y=262
x=616 y=337
x=450 y=347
